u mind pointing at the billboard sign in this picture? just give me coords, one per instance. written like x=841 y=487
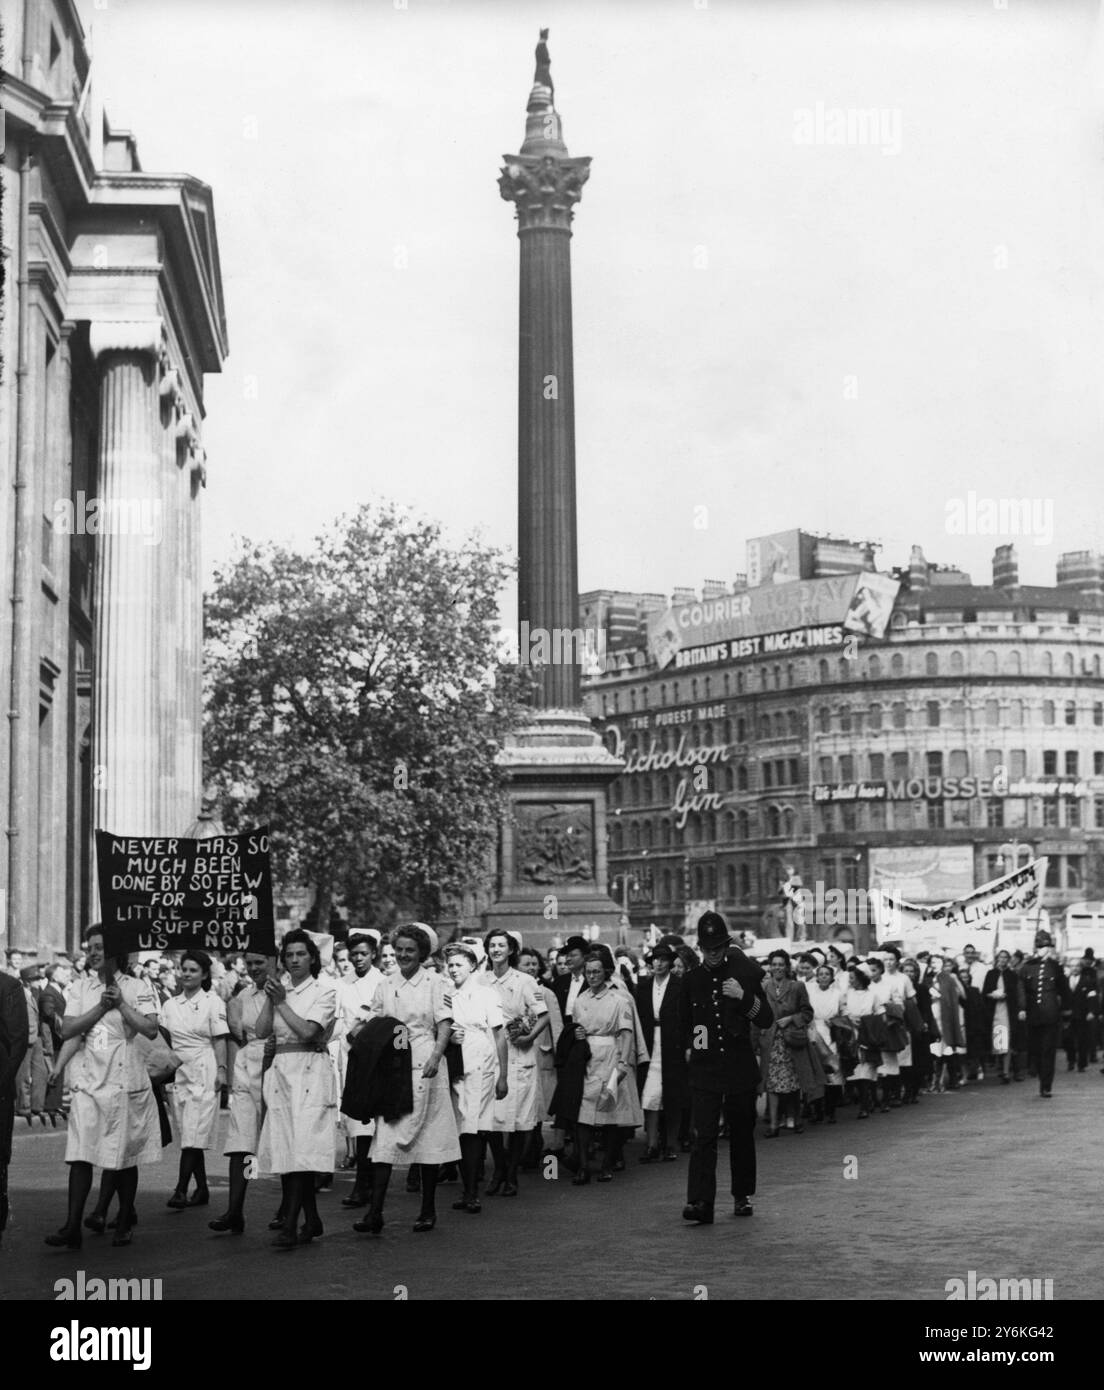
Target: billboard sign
x=923 y=873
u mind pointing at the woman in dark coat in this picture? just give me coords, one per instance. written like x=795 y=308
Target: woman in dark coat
x=922 y=1064
x=977 y=1033
x=664 y=1088
x=1002 y=994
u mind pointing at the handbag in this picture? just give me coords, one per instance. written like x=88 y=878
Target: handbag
x=796 y=1036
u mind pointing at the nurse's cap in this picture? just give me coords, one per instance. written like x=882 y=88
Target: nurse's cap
x=515 y=937
x=377 y=936
x=476 y=947
x=433 y=941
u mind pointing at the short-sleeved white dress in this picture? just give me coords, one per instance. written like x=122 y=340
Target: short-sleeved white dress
x=193 y=1024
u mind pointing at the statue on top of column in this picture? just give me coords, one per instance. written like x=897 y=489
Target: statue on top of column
x=543 y=75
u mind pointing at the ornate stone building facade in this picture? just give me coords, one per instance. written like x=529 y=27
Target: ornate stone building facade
x=113 y=315
x=966 y=741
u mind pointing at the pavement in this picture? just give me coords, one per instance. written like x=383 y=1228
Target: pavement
x=989 y=1178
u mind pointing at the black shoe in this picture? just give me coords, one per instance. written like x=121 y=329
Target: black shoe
x=286 y=1240
x=581 y=1178
x=742 y=1207
x=95 y=1223
x=510 y=1189
x=425 y=1222
x=277 y=1223
x=368 y=1225
x=1045 y=1095
x=356 y=1198
x=699 y=1212
x=199 y=1198
x=229 y=1222
x=670 y=1156
x=177 y=1201
x=649 y=1156
x=115 y=1221
x=496 y=1184
x=122 y=1235
x=323 y=1182
x=472 y=1205
x=308 y=1232
x=606 y=1175
x=65 y=1240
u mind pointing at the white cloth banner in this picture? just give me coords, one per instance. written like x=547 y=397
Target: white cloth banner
x=979 y=911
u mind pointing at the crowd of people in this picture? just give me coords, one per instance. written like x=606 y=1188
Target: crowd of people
x=479 y=1060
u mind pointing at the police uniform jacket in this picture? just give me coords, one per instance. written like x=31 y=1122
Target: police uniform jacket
x=716 y=1030
x=1046 y=992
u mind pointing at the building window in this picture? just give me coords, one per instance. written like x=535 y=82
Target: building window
x=1014 y=664
x=1050 y=762
x=1075 y=870
x=788 y=821
x=1071 y=712
x=877 y=767
x=743 y=824
x=745 y=881
x=847 y=767
x=742 y=778
x=874 y=668
x=993 y=759
x=897 y=664
x=994 y=814
x=824 y=719
x=900 y=766
x=960 y=814
x=1073 y=812
x=935 y=815
x=957 y=664
x=1098 y=712
x=1071 y=763
x=765 y=727
x=1067 y=662
x=828 y=817
x=931 y=664
x=826 y=769
x=1048 y=711
x=989 y=663
x=741 y=731
x=1050 y=811
x=768 y=774
x=1048 y=664
x=958 y=764
x=694 y=691
x=933 y=714
x=848 y=815
x=899 y=714
x=739 y=682
x=1098 y=764
x=794 y=723
x=845 y=719
x=1098 y=812
x=992 y=713
x=774 y=821
x=877 y=813
x=1015 y=713
x=933 y=764
x=958 y=714
x=823 y=672
x=1053 y=873
x=875 y=717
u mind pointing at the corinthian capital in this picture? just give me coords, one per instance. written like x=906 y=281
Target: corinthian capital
x=543 y=188
x=125 y=335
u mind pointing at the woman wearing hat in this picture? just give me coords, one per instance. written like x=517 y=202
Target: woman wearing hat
x=419 y=999
x=666 y=1090
x=297 y=1138
x=478 y=1026
x=195 y=1020
x=112 y=1113
x=526 y=1017
x=354 y=1003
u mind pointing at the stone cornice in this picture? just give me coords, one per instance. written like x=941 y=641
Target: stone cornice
x=543 y=188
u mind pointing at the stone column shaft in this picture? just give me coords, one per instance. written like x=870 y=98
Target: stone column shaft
x=126 y=729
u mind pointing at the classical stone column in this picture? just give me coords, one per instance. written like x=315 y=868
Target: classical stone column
x=126 y=738
x=544 y=184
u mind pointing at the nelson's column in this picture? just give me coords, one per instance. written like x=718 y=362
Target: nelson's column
x=552 y=858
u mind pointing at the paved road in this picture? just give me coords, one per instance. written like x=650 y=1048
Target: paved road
x=990 y=1178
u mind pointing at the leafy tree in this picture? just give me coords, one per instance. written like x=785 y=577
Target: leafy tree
x=356 y=702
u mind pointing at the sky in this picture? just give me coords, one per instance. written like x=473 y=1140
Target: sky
x=785 y=315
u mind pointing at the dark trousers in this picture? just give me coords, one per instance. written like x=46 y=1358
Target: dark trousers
x=1042 y=1048
x=706 y=1109
x=1083 y=1042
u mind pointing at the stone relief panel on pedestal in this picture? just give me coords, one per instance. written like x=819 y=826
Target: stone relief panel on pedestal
x=553 y=842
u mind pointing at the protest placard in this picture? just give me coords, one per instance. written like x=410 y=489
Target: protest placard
x=168 y=893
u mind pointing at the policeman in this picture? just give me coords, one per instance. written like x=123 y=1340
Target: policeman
x=1047 y=998
x=721 y=999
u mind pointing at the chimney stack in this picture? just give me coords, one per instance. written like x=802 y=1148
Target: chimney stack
x=1081 y=570
x=714 y=588
x=918 y=570
x=1006 y=567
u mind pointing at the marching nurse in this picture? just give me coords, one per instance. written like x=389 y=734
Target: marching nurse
x=112 y=1113
x=300 y=1094
x=242 y=1013
x=721 y=999
x=195 y=1020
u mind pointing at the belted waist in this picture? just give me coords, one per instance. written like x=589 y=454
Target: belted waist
x=295 y=1047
